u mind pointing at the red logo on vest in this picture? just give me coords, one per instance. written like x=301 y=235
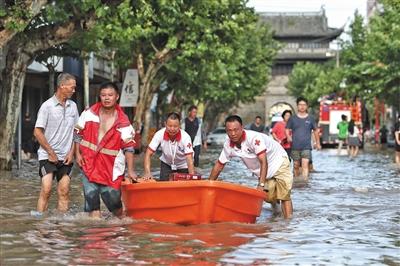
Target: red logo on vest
x=189 y=145
x=257 y=142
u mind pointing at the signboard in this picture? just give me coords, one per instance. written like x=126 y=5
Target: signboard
x=130 y=89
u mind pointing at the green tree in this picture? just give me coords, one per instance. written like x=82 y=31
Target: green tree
x=201 y=48
x=27 y=28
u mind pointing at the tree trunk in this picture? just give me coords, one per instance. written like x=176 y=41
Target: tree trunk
x=19 y=55
x=52 y=72
x=11 y=86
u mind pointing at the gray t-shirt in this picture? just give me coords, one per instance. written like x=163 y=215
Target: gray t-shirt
x=58 y=123
x=301 y=131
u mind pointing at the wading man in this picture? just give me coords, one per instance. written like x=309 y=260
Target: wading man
x=54 y=132
x=298 y=132
x=104 y=141
x=264 y=157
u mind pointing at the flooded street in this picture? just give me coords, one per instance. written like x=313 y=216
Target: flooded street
x=348 y=213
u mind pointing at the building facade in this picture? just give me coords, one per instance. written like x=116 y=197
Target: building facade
x=305 y=37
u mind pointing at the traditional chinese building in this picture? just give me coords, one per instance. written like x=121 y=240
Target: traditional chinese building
x=305 y=36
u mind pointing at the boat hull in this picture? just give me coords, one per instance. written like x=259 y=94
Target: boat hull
x=192 y=202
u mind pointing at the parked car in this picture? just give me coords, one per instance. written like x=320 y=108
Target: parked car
x=217 y=136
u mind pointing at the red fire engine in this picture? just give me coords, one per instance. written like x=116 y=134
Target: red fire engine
x=330 y=114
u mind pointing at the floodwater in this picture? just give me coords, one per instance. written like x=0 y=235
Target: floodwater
x=348 y=213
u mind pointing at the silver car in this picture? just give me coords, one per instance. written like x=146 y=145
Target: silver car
x=217 y=136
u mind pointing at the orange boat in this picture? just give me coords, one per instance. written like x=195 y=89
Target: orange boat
x=192 y=202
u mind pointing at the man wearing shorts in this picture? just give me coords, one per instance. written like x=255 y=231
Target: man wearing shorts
x=264 y=157
x=54 y=132
x=104 y=141
x=298 y=131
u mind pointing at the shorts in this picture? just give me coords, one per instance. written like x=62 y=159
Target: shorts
x=59 y=170
x=165 y=171
x=92 y=192
x=297 y=155
x=280 y=185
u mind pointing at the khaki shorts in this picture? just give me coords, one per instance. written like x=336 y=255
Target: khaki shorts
x=280 y=185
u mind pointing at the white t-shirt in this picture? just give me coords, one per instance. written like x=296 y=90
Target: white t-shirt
x=172 y=152
x=253 y=144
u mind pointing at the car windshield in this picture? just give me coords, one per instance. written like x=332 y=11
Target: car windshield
x=219 y=131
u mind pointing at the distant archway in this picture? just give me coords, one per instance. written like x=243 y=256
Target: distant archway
x=277 y=109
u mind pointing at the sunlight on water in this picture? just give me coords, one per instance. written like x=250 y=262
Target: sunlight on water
x=347 y=213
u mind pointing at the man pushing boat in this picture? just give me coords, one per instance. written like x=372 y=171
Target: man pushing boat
x=176 y=148
x=264 y=157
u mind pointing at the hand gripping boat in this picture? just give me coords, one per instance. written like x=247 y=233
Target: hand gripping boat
x=192 y=202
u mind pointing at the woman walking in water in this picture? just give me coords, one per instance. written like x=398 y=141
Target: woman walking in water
x=354 y=139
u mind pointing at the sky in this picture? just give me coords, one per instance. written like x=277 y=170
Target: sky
x=339 y=12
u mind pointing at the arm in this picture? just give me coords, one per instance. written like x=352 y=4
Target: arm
x=130 y=161
x=288 y=136
x=38 y=132
x=262 y=158
x=79 y=158
x=70 y=156
x=189 y=161
x=147 y=163
x=316 y=138
x=217 y=169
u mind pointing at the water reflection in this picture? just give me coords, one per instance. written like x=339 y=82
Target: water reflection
x=348 y=213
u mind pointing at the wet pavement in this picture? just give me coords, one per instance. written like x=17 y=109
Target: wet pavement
x=347 y=213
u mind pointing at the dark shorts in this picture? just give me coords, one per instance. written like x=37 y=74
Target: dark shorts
x=59 y=170
x=92 y=193
x=297 y=155
x=397 y=146
x=165 y=171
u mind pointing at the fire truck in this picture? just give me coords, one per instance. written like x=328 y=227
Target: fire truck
x=330 y=114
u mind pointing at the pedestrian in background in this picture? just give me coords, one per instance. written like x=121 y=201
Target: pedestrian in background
x=193 y=126
x=397 y=141
x=54 y=131
x=343 y=127
x=256 y=125
x=298 y=131
x=355 y=138
x=279 y=132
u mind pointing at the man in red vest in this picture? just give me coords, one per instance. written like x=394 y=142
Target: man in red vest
x=104 y=141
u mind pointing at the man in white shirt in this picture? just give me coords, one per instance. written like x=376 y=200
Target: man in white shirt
x=176 y=148
x=264 y=157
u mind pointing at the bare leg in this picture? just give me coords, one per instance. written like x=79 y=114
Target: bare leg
x=119 y=213
x=397 y=158
x=356 y=151
x=287 y=208
x=45 y=192
x=339 y=147
x=95 y=214
x=305 y=167
x=296 y=168
x=63 y=193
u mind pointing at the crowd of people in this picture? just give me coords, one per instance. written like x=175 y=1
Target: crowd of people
x=101 y=140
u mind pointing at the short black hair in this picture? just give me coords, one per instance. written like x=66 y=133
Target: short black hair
x=285 y=112
x=233 y=118
x=258 y=117
x=192 y=107
x=344 y=117
x=110 y=85
x=173 y=116
x=301 y=99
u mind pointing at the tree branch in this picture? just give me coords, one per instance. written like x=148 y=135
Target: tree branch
x=32 y=7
